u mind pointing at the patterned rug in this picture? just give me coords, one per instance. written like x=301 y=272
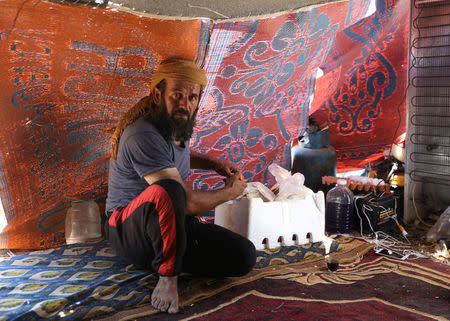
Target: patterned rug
x=376 y=288
x=69 y=282
x=85 y=281
x=364 y=287
x=270 y=265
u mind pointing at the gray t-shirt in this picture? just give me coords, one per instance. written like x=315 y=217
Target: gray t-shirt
x=142 y=150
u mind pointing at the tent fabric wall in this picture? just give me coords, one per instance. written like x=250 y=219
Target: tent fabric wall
x=69 y=73
x=72 y=71
x=261 y=78
x=362 y=94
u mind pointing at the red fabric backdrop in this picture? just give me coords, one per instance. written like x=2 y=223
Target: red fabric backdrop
x=362 y=93
x=69 y=73
x=261 y=82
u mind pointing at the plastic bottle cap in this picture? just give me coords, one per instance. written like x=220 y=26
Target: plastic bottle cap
x=342 y=182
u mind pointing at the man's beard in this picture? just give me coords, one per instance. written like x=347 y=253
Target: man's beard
x=172 y=129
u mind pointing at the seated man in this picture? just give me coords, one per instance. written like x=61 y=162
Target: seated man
x=150 y=210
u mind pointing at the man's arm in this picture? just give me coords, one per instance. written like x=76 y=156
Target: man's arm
x=198 y=202
x=222 y=167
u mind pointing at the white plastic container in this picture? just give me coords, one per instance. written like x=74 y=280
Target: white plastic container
x=83 y=222
x=274 y=224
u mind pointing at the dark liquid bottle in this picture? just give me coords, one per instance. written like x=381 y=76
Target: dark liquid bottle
x=339 y=210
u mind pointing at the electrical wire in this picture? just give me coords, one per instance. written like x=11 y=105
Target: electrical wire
x=357 y=211
x=382 y=240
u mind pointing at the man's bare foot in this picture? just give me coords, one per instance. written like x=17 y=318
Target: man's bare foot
x=165 y=294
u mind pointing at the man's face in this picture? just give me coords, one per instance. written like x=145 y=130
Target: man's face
x=181 y=98
x=177 y=107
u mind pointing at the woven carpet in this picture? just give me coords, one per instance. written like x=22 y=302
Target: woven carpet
x=375 y=288
x=205 y=295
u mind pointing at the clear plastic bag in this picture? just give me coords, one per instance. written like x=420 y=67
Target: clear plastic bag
x=290 y=186
x=257 y=189
x=441 y=229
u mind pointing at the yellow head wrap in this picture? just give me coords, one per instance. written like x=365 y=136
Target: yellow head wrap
x=176 y=68
x=173 y=68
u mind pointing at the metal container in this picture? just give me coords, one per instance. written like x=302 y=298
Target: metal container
x=314 y=157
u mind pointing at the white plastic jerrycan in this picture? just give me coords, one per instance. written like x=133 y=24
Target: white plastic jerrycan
x=83 y=222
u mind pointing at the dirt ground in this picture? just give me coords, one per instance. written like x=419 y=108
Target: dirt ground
x=417 y=236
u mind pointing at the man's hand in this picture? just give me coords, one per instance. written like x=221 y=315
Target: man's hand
x=234 y=185
x=198 y=202
x=222 y=167
x=226 y=168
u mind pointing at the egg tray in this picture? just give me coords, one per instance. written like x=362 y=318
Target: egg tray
x=356 y=185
